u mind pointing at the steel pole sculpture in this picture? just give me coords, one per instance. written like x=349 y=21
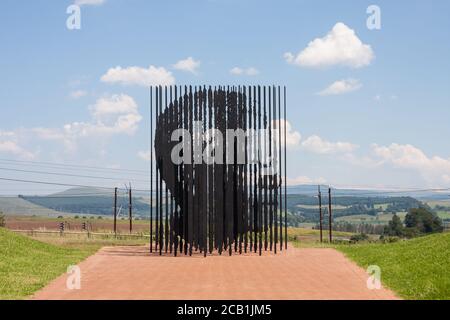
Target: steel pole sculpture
x=219 y=169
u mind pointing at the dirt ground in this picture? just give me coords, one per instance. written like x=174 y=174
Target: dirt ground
x=134 y=273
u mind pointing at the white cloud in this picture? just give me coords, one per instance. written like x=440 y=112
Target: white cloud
x=434 y=169
x=341 y=87
x=10 y=145
x=115 y=104
x=111 y=115
x=139 y=76
x=340 y=46
x=116 y=114
x=144 y=155
x=316 y=144
x=251 y=71
x=89 y=2
x=78 y=94
x=304 y=180
x=188 y=64
x=292 y=137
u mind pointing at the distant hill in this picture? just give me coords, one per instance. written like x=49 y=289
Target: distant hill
x=312 y=191
x=93 y=201
x=302 y=202
x=19 y=206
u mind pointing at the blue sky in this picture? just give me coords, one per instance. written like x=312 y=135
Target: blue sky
x=383 y=124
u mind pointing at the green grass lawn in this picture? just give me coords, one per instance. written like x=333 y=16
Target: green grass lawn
x=415 y=269
x=26 y=265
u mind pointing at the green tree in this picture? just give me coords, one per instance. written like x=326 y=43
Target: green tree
x=394 y=228
x=423 y=220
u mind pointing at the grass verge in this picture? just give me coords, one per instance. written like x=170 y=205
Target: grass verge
x=415 y=269
x=27 y=265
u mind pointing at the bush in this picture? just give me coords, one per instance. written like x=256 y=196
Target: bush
x=411 y=233
x=359 y=237
x=389 y=239
x=2 y=219
x=60 y=217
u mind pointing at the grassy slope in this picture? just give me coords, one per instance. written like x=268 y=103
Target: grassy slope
x=19 y=206
x=27 y=265
x=415 y=269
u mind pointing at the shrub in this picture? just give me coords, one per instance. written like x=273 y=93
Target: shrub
x=389 y=239
x=2 y=219
x=359 y=237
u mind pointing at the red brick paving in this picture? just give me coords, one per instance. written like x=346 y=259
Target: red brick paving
x=134 y=273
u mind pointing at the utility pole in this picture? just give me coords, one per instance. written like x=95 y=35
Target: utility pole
x=329 y=215
x=130 y=212
x=115 y=210
x=320 y=213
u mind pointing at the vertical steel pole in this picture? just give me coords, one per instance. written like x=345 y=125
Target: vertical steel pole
x=157 y=170
x=151 y=169
x=330 y=216
x=320 y=213
x=285 y=174
x=130 y=212
x=115 y=211
x=281 y=168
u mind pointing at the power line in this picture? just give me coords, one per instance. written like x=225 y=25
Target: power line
x=66 y=184
x=66 y=165
x=70 y=175
x=381 y=193
x=55 y=183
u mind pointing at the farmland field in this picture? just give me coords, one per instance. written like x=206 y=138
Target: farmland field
x=445 y=215
x=312 y=206
x=94 y=224
x=381 y=218
x=434 y=203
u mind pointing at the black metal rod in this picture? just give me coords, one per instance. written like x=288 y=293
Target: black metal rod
x=151 y=169
x=320 y=213
x=330 y=219
x=285 y=174
x=281 y=168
